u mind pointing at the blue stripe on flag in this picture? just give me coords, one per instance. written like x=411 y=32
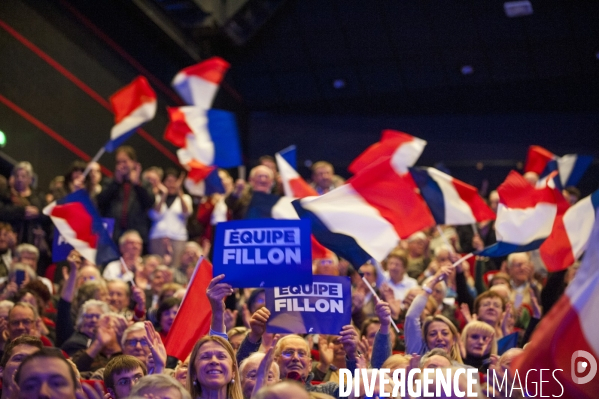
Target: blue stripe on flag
x=289 y=154
x=580 y=166
x=343 y=245
x=552 y=167
x=505 y=248
x=213 y=184
x=224 y=133
x=595 y=199
x=431 y=192
x=119 y=141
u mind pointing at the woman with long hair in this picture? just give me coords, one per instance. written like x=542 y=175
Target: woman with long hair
x=213 y=371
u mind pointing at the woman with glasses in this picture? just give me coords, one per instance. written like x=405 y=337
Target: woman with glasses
x=213 y=371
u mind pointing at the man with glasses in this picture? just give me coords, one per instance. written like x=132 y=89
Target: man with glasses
x=121 y=374
x=22 y=320
x=292 y=354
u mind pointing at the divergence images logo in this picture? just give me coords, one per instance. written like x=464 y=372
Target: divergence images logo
x=580 y=367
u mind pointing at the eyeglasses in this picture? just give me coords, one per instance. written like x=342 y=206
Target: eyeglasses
x=288 y=353
x=128 y=381
x=133 y=342
x=16 y=323
x=90 y=316
x=252 y=375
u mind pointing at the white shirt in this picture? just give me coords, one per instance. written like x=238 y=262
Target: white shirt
x=171 y=222
x=113 y=271
x=401 y=289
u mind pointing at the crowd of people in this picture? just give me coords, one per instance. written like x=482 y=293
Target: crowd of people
x=76 y=329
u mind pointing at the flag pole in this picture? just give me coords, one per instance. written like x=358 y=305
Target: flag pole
x=444 y=238
x=379 y=299
x=462 y=259
x=94 y=159
x=241 y=172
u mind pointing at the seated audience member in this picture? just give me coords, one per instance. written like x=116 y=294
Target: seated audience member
x=520 y=271
x=209 y=352
x=248 y=370
x=489 y=307
x=436 y=358
x=396 y=277
x=191 y=254
x=121 y=296
x=417 y=257
x=102 y=347
x=169 y=217
x=143 y=274
x=131 y=246
x=396 y=362
x=328 y=266
x=5 y=308
x=121 y=374
x=436 y=332
x=181 y=372
x=322 y=177
x=14 y=353
x=261 y=180
x=161 y=276
x=143 y=342
x=125 y=198
x=160 y=386
x=236 y=336
x=5 y=248
x=29 y=255
x=165 y=315
x=85 y=327
x=23 y=320
x=478 y=339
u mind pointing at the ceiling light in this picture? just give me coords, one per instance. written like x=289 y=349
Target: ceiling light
x=517 y=8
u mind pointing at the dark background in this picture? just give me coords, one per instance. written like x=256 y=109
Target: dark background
x=326 y=75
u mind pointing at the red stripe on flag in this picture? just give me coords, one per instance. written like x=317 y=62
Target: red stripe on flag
x=395 y=197
x=556 y=251
x=551 y=347
x=131 y=97
x=537 y=159
x=301 y=189
x=79 y=220
x=390 y=141
x=469 y=194
x=516 y=192
x=212 y=70
x=193 y=318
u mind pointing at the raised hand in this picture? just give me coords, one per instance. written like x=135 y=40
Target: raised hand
x=217 y=292
x=349 y=339
x=258 y=324
x=156 y=347
x=230 y=318
x=264 y=368
x=325 y=350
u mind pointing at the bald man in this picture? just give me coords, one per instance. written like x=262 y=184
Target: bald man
x=261 y=180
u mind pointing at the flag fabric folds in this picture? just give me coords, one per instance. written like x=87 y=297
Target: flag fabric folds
x=293 y=184
x=402 y=147
x=566 y=337
x=367 y=217
x=80 y=224
x=570 y=235
x=525 y=216
x=132 y=105
x=289 y=154
x=570 y=167
x=198 y=84
x=451 y=201
x=193 y=318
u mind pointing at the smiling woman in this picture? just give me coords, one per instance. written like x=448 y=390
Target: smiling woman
x=213 y=370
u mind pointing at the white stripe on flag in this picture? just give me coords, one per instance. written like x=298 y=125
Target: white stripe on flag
x=283 y=209
x=202 y=91
x=135 y=119
x=523 y=226
x=579 y=225
x=457 y=211
x=565 y=165
x=344 y=211
x=69 y=234
x=407 y=154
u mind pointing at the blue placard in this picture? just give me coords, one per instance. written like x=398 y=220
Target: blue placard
x=263 y=252
x=322 y=307
x=61 y=248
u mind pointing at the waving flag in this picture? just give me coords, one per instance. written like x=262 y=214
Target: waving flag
x=193 y=318
x=570 y=235
x=79 y=223
x=566 y=340
x=289 y=154
x=293 y=184
x=450 y=200
x=132 y=105
x=402 y=147
x=198 y=84
x=525 y=216
x=367 y=217
x=571 y=167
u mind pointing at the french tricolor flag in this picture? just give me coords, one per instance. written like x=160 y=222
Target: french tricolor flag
x=198 y=84
x=79 y=223
x=202 y=179
x=209 y=136
x=525 y=216
x=403 y=148
x=450 y=200
x=570 y=167
x=133 y=105
x=566 y=339
x=367 y=217
x=570 y=236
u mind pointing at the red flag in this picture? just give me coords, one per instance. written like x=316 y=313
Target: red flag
x=193 y=318
x=537 y=159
